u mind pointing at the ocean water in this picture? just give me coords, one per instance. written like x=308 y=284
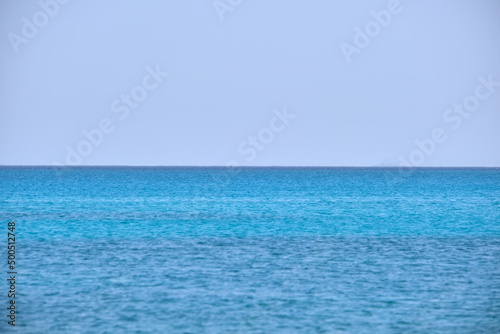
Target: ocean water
x=275 y=250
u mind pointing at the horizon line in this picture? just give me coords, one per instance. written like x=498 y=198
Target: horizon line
x=249 y=166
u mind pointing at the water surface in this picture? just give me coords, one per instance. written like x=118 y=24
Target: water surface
x=292 y=250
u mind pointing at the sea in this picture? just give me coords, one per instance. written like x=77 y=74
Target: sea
x=251 y=250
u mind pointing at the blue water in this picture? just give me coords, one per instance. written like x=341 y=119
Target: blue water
x=280 y=250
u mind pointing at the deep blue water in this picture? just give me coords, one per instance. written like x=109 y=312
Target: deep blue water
x=279 y=250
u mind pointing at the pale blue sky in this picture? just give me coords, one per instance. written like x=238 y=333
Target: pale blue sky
x=229 y=78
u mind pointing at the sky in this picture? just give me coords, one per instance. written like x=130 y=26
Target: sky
x=253 y=83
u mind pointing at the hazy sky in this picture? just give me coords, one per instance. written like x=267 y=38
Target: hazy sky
x=250 y=82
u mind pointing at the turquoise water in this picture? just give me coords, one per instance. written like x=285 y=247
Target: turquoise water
x=279 y=250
